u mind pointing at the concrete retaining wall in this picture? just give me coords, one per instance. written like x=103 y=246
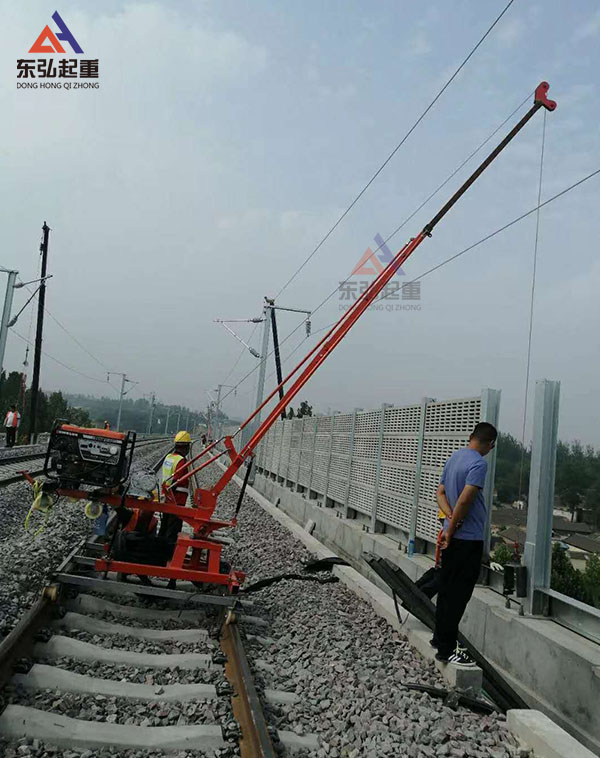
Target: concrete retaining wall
x=554 y=669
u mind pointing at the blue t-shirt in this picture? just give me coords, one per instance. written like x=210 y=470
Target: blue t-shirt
x=466 y=466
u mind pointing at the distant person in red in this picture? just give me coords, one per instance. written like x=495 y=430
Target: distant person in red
x=11 y=424
x=106 y=425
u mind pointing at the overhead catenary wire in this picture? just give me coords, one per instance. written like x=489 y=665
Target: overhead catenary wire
x=395 y=150
x=403 y=223
x=64 y=365
x=455 y=256
x=531 y=306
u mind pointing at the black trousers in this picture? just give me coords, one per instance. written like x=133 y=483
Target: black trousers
x=11 y=433
x=461 y=562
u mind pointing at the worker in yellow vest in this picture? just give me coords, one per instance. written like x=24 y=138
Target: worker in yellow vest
x=174 y=466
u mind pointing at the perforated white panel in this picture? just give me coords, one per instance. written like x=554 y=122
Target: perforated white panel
x=365 y=447
x=429 y=484
x=320 y=462
x=342 y=423
x=322 y=441
x=437 y=450
x=336 y=489
x=403 y=420
x=305 y=446
x=318 y=482
x=394 y=510
x=341 y=444
x=363 y=472
x=339 y=466
x=361 y=499
x=453 y=415
x=324 y=424
x=427 y=522
x=400 y=449
x=367 y=423
x=397 y=479
x=310 y=424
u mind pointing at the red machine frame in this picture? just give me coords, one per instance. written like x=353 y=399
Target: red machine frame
x=203 y=563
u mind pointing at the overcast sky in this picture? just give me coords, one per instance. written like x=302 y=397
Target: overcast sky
x=226 y=138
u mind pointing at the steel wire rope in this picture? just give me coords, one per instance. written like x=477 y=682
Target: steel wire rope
x=395 y=150
x=400 y=226
x=462 y=252
x=56 y=360
x=531 y=306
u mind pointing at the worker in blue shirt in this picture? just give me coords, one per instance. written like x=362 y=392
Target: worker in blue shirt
x=460 y=497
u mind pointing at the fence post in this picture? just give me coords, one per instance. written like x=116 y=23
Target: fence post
x=490 y=411
x=352 y=431
x=312 y=461
x=374 y=526
x=283 y=423
x=412 y=535
x=328 y=460
x=300 y=443
x=540 y=504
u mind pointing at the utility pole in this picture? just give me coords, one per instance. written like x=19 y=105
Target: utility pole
x=178 y=417
x=152 y=404
x=8 y=299
x=260 y=388
x=218 y=407
x=37 y=359
x=167 y=422
x=124 y=381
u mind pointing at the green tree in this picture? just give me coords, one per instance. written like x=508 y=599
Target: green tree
x=565 y=578
x=508 y=468
x=304 y=410
x=502 y=554
x=591 y=581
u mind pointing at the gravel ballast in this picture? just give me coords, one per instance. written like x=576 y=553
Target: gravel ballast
x=323 y=643
x=346 y=663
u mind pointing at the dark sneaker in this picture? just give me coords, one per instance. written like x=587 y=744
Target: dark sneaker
x=460 y=657
x=442 y=658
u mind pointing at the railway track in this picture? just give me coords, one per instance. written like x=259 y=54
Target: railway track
x=11 y=467
x=102 y=664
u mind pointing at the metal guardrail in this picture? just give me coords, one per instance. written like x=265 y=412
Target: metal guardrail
x=572 y=614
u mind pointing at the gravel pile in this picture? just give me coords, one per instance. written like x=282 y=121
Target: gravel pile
x=346 y=664
x=137 y=674
x=136 y=645
x=20 y=450
x=37 y=749
x=25 y=560
x=113 y=710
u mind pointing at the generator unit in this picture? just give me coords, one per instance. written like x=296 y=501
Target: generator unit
x=98 y=457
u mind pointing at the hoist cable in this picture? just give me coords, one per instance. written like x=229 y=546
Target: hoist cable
x=395 y=150
x=465 y=250
x=531 y=307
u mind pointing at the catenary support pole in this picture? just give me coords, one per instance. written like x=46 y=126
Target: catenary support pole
x=540 y=505
x=37 y=357
x=277 y=357
x=121 y=395
x=8 y=299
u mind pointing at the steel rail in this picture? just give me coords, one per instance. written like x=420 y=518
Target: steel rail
x=255 y=741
